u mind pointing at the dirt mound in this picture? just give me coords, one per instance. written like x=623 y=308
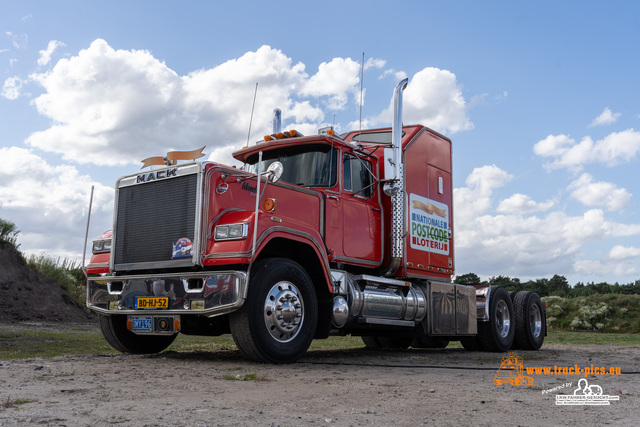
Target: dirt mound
x=27 y=295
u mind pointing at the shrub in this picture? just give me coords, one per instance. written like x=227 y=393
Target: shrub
x=9 y=233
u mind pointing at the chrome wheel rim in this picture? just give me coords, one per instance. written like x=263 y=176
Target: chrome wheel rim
x=283 y=311
x=535 y=321
x=503 y=318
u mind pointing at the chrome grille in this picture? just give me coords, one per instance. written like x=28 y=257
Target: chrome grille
x=151 y=217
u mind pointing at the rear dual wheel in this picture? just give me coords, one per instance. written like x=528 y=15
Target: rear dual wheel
x=530 y=321
x=498 y=333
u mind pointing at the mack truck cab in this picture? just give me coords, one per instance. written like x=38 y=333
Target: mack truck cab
x=314 y=235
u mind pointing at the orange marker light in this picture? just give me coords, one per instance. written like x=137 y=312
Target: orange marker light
x=129 y=324
x=176 y=325
x=293 y=132
x=280 y=135
x=330 y=132
x=269 y=205
x=267 y=138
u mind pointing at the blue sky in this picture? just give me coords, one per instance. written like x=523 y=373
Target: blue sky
x=539 y=98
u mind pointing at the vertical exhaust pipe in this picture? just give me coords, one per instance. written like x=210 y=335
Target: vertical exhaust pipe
x=277 y=120
x=394 y=181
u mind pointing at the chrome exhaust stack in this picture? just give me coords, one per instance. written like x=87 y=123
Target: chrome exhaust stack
x=394 y=180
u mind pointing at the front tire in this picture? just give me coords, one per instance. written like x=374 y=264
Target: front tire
x=277 y=322
x=114 y=329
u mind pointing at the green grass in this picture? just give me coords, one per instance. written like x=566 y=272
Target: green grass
x=591 y=338
x=26 y=343
x=12 y=403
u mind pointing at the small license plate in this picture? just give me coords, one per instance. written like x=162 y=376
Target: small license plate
x=152 y=302
x=141 y=324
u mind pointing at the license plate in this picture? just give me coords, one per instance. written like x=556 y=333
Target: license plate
x=141 y=324
x=152 y=302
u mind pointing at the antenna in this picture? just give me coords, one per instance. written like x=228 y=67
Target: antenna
x=361 y=89
x=252 y=107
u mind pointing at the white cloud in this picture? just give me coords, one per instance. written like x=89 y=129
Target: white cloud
x=374 y=63
x=115 y=107
x=599 y=193
x=45 y=55
x=622 y=253
x=523 y=204
x=335 y=79
x=615 y=148
x=19 y=41
x=433 y=98
x=516 y=243
x=397 y=75
x=605 y=118
x=619 y=261
x=11 y=88
x=51 y=202
x=475 y=199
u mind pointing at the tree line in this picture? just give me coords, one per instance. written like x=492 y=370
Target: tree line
x=556 y=286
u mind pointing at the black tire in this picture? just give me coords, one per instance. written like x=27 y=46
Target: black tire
x=497 y=334
x=424 y=341
x=387 y=343
x=512 y=295
x=114 y=329
x=256 y=327
x=471 y=343
x=530 y=321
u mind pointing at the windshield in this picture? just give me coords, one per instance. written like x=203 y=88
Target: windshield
x=304 y=165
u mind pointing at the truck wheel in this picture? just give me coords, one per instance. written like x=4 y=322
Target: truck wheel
x=424 y=341
x=114 y=329
x=471 y=343
x=378 y=342
x=497 y=334
x=530 y=320
x=277 y=322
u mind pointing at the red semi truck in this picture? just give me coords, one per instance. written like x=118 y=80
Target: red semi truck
x=314 y=235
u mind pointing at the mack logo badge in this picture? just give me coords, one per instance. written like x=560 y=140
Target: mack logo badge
x=251 y=188
x=152 y=176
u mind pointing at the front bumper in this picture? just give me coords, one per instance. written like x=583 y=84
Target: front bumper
x=208 y=294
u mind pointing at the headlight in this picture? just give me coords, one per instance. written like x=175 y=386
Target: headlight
x=231 y=231
x=101 y=245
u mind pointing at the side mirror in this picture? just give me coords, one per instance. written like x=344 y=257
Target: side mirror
x=274 y=171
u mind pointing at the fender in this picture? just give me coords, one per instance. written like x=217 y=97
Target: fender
x=313 y=240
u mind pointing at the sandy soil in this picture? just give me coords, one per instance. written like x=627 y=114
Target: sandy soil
x=342 y=388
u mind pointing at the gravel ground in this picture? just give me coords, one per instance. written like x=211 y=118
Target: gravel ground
x=342 y=388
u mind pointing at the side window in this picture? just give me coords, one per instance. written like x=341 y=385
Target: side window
x=357 y=175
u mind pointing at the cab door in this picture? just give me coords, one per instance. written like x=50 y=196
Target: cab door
x=361 y=215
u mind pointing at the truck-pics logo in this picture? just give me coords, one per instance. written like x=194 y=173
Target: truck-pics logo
x=429 y=225
x=512 y=371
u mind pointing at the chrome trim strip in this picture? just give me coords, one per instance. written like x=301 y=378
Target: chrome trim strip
x=102 y=292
